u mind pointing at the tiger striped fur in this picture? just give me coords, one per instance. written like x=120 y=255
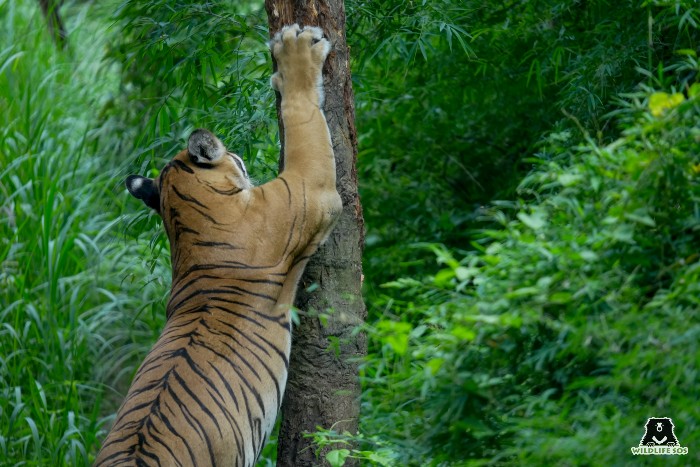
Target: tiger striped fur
x=210 y=388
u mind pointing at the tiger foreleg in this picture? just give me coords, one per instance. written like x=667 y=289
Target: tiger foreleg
x=300 y=54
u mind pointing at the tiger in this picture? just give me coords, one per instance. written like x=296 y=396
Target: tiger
x=209 y=390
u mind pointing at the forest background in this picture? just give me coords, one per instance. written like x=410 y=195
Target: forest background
x=530 y=175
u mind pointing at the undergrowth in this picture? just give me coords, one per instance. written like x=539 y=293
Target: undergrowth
x=84 y=269
x=72 y=293
x=567 y=324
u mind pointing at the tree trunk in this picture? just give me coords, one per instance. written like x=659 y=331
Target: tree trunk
x=323 y=387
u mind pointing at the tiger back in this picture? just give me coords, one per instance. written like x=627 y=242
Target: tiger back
x=209 y=390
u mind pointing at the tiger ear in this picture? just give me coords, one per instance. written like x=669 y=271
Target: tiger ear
x=144 y=189
x=204 y=147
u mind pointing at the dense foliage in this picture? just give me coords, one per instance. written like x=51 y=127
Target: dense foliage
x=73 y=288
x=569 y=324
x=530 y=172
x=188 y=64
x=458 y=94
x=557 y=321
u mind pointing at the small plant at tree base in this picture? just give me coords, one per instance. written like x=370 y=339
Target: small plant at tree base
x=339 y=447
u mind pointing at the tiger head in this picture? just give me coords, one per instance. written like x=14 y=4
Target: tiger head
x=203 y=168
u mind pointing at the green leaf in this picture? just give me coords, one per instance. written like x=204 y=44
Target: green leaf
x=694 y=90
x=395 y=334
x=434 y=365
x=687 y=52
x=588 y=256
x=421 y=46
x=402 y=283
x=523 y=292
x=660 y=102
x=535 y=221
x=641 y=218
x=444 y=277
x=336 y=458
x=462 y=333
x=623 y=233
x=561 y=298
x=464 y=273
x=567 y=179
x=380 y=458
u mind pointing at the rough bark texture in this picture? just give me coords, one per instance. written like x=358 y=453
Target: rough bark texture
x=323 y=387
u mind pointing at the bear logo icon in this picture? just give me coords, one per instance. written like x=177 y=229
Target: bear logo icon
x=659 y=432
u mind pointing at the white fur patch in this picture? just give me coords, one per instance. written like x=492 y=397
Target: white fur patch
x=135 y=184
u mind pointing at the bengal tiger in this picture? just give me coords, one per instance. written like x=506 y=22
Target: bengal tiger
x=209 y=390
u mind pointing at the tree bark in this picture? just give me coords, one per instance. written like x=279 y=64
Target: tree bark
x=323 y=388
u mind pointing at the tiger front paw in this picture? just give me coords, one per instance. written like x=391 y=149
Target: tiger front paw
x=300 y=54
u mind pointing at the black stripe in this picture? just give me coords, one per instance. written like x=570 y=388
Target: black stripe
x=290 y=235
x=249 y=292
x=174 y=307
x=169 y=426
x=236 y=429
x=280 y=319
x=241 y=376
x=233 y=350
x=262 y=281
x=219 y=245
x=257 y=344
x=195 y=201
x=229 y=192
x=270 y=373
x=289 y=192
x=146 y=453
x=194 y=396
x=185 y=411
x=248 y=412
x=183 y=287
x=238 y=344
x=275 y=348
x=179 y=227
x=208 y=217
x=228 y=387
x=189 y=199
x=157 y=438
x=181 y=165
x=111 y=456
x=239 y=315
x=227 y=265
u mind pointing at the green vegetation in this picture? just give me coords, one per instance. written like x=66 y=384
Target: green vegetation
x=530 y=173
x=73 y=289
x=568 y=324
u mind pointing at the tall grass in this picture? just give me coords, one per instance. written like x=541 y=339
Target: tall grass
x=72 y=320
x=84 y=269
